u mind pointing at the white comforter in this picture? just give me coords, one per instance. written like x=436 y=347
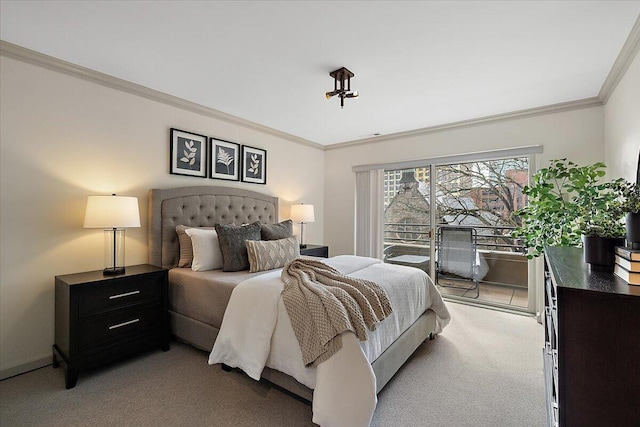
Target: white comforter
x=256 y=332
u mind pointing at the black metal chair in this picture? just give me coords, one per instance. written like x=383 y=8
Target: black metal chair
x=457 y=258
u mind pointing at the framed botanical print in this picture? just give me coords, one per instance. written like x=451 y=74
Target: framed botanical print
x=254 y=165
x=225 y=159
x=188 y=153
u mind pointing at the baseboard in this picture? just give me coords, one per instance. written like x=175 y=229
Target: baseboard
x=25 y=367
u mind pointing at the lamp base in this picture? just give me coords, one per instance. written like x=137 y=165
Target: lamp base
x=113 y=271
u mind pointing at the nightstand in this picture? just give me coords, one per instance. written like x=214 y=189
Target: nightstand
x=100 y=319
x=315 y=250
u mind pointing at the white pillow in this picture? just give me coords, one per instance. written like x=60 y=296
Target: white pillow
x=206 y=249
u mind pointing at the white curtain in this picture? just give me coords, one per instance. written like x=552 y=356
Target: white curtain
x=370 y=213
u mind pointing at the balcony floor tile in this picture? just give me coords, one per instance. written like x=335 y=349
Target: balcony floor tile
x=498 y=294
x=520 y=297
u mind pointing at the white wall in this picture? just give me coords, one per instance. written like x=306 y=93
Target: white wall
x=577 y=135
x=622 y=125
x=64 y=138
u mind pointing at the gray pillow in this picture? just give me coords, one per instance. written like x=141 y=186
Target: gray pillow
x=232 y=244
x=278 y=231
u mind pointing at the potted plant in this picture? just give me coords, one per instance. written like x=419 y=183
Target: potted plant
x=629 y=194
x=551 y=217
x=601 y=225
x=567 y=202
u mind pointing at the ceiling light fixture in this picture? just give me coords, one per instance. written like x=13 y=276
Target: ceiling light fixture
x=340 y=75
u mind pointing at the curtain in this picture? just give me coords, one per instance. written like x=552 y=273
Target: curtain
x=370 y=213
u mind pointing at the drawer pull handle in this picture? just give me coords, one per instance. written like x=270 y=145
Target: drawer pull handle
x=120 y=325
x=124 y=295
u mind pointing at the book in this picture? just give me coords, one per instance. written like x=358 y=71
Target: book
x=628 y=253
x=626 y=275
x=632 y=266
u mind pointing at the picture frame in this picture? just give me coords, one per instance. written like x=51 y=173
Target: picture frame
x=188 y=153
x=254 y=165
x=224 y=159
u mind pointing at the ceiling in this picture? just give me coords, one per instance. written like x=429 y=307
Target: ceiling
x=416 y=64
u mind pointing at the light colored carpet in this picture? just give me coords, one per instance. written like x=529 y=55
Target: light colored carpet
x=484 y=370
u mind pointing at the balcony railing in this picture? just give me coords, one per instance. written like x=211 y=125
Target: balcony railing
x=504 y=254
x=490 y=237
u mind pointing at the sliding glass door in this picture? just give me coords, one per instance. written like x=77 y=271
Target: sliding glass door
x=407 y=217
x=480 y=196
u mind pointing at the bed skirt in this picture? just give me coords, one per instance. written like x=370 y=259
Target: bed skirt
x=202 y=336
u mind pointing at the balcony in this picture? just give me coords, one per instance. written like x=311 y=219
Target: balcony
x=505 y=283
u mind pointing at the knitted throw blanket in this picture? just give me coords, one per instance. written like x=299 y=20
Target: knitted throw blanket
x=322 y=304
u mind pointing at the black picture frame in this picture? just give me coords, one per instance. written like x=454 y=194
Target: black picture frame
x=188 y=153
x=254 y=165
x=224 y=159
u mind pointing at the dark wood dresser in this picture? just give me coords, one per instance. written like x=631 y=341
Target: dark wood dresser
x=592 y=344
x=99 y=319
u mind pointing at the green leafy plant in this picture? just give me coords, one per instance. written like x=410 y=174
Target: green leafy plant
x=565 y=201
x=604 y=222
x=629 y=196
x=601 y=210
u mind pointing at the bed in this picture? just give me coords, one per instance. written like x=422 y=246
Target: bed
x=197 y=311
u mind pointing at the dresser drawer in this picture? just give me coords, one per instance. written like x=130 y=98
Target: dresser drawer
x=116 y=294
x=101 y=330
x=551 y=291
x=551 y=328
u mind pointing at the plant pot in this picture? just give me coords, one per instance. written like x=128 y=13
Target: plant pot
x=633 y=229
x=599 y=252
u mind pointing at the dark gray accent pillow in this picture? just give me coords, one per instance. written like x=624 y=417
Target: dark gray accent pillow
x=278 y=231
x=232 y=244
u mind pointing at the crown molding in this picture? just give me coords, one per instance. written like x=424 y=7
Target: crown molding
x=530 y=112
x=626 y=56
x=23 y=54
x=622 y=63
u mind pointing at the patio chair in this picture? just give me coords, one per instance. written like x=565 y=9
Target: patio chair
x=457 y=258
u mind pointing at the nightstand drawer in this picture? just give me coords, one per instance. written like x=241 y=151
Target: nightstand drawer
x=114 y=327
x=114 y=294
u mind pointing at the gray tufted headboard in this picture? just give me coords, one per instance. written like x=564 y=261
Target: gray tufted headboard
x=201 y=206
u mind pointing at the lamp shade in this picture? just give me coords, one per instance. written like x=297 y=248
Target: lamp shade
x=302 y=213
x=112 y=212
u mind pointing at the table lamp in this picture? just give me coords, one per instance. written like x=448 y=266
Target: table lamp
x=112 y=213
x=302 y=214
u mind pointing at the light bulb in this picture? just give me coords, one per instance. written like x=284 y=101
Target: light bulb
x=332 y=93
